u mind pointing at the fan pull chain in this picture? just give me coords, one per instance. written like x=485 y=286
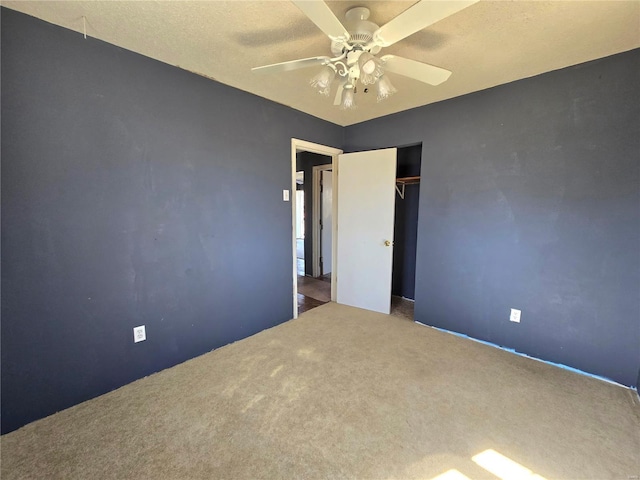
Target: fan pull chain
x=84 y=26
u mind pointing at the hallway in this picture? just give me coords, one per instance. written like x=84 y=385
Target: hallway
x=312 y=292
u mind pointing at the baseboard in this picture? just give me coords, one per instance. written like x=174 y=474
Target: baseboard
x=511 y=350
x=404 y=298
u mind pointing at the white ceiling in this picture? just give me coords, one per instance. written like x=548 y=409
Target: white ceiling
x=487 y=44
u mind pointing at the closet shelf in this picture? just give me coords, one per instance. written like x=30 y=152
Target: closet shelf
x=401 y=182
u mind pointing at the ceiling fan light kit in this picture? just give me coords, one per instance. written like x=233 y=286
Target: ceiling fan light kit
x=322 y=81
x=385 y=88
x=370 y=68
x=348 y=98
x=354 y=48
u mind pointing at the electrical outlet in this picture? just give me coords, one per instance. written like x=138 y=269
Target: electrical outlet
x=139 y=334
x=285 y=195
x=515 y=315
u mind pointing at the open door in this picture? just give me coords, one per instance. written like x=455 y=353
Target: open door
x=365 y=211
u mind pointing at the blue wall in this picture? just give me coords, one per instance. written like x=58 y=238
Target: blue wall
x=137 y=193
x=133 y=193
x=530 y=198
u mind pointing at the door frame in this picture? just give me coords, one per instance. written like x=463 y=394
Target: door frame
x=317 y=198
x=298 y=146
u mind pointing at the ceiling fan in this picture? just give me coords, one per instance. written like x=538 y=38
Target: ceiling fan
x=356 y=44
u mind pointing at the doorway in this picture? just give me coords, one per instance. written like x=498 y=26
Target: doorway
x=311 y=288
x=314 y=250
x=404 y=258
x=322 y=222
x=406 y=230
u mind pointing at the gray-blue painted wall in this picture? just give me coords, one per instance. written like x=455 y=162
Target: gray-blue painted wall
x=530 y=198
x=133 y=193
x=136 y=193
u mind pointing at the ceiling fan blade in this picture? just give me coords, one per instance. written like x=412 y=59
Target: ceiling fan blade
x=320 y=14
x=417 y=70
x=291 y=65
x=417 y=17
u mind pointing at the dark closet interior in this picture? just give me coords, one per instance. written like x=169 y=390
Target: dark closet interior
x=406 y=223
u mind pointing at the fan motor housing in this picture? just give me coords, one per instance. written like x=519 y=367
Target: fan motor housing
x=360 y=29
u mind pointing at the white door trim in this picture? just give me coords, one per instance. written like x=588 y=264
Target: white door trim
x=304 y=146
x=316 y=177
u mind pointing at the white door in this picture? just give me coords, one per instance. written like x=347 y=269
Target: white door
x=366 y=206
x=326 y=206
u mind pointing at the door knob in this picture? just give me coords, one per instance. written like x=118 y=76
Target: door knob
x=387 y=243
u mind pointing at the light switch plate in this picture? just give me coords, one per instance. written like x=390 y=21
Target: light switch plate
x=515 y=315
x=285 y=195
x=139 y=334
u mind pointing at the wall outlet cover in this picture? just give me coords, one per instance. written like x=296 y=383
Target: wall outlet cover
x=515 y=315
x=139 y=334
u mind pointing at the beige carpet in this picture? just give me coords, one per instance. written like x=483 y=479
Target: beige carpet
x=402 y=307
x=342 y=393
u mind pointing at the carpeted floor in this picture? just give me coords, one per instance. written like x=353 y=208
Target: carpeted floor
x=402 y=307
x=342 y=393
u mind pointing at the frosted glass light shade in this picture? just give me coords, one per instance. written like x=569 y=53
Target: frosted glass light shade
x=348 y=99
x=322 y=81
x=370 y=68
x=385 y=88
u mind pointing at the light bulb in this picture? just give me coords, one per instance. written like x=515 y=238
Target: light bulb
x=370 y=68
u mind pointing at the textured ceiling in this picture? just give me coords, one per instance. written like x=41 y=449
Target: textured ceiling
x=489 y=43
